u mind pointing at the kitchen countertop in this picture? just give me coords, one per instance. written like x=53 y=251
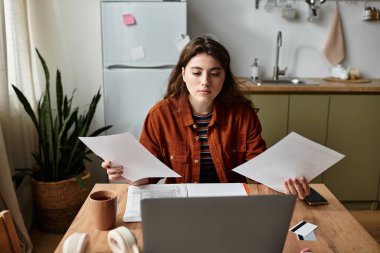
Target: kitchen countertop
x=323 y=86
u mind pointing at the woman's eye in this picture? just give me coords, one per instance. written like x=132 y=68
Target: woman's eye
x=196 y=73
x=215 y=74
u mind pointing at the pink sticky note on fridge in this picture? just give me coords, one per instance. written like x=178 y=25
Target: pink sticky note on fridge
x=129 y=19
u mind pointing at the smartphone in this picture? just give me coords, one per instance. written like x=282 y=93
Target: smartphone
x=315 y=198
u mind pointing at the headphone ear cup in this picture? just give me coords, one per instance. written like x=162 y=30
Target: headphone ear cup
x=122 y=240
x=76 y=242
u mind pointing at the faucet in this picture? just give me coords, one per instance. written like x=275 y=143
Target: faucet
x=276 y=70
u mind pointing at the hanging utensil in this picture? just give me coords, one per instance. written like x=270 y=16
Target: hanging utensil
x=314 y=6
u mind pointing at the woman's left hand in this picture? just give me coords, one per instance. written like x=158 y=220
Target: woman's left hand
x=298 y=186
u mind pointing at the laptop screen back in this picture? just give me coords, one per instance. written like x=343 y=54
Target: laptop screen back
x=216 y=224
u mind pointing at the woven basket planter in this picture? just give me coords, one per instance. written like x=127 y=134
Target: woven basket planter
x=57 y=203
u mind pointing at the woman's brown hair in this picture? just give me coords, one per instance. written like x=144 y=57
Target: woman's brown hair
x=230 y=92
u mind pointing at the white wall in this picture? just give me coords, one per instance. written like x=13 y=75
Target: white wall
x=68 y=35
x=249 y=33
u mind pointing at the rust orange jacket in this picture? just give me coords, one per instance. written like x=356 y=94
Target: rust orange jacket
x=234 y=137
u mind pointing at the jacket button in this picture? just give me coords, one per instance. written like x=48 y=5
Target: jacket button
x=197 y=138
x=171 y=157
x=194 y=126
x=196 y=161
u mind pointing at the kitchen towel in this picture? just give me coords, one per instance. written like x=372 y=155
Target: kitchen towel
x=335 y=48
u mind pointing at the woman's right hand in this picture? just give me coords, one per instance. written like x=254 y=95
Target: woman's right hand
x=115 y=172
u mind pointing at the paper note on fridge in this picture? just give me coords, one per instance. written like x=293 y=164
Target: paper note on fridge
x=129 y=19
x=291 y=157
x=137 y=53
x=124 y=149
x=182 y=41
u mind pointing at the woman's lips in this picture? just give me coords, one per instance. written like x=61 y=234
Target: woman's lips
x=204 y=91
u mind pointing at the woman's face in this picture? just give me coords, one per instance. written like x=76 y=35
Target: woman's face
x=204 y=78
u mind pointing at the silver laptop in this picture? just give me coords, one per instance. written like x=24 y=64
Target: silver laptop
x=216 y=224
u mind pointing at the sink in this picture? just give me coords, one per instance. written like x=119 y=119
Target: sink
x=287 y=81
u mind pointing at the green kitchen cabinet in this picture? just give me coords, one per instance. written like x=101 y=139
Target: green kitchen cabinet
x=354 y=130
x=347 y=123
x=308 y=116
x=273 y=115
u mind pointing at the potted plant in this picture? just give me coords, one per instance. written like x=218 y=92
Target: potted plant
x=59 y=177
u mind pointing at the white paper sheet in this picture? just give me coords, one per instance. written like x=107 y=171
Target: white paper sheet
x=214 y=190
x=124 y=149
x=293 y=156
x=137 y=193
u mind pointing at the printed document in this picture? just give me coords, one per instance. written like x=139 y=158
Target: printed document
x=137 y=193
x=291 y=157
x=124 y=149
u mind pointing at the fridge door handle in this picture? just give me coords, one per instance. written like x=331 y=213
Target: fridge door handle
x=120 y=66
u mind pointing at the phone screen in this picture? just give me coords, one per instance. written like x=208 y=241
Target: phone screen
x=315 y=198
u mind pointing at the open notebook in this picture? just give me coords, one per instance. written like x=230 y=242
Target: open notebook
x=137 y=193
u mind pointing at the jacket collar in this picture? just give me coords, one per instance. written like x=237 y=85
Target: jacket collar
x=218 y=114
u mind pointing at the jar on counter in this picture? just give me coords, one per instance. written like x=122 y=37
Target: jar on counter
x=255 y=70
x=367 y=13
x=374 y=14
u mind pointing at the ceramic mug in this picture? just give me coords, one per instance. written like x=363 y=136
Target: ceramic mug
x=289 y=13
x=270 y=5
x=103 y=209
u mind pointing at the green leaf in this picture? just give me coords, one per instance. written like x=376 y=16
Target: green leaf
x=20 y=175
x=81 y=183
x=59 y=94
x=47 y=131
x=84 y=122
x=100 y=130
x=27 y=107
x=66 y=126
x=56 y=141
x=46 y=70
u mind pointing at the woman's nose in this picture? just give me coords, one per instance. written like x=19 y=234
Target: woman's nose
x=205 y=80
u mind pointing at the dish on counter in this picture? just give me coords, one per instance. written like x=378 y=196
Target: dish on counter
x=360 y=80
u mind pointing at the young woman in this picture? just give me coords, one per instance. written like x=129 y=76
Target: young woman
x=204 y=127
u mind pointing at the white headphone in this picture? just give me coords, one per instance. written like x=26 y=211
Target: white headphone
x=75 y=243
x=120 y=240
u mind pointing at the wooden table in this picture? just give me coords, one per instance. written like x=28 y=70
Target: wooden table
x=337 y=230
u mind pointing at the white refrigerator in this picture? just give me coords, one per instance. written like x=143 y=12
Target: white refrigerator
x=141 y=42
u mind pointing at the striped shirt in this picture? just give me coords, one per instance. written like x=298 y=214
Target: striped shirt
x=208 y=173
